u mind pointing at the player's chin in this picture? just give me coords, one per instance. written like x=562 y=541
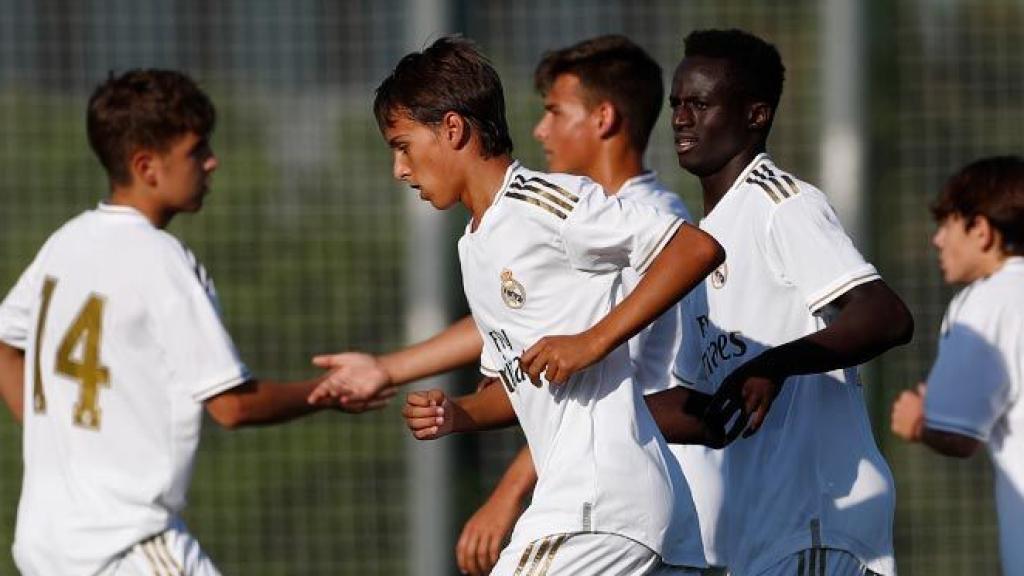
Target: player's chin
x=441 y=203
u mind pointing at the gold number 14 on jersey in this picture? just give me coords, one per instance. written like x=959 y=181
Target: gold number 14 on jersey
x=87 y=328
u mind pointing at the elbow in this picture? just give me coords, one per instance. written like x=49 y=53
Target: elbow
x=891 y=321
x=903 y=329
x=961 y=450
x=711 y=252
x=950 y=444
x=231 y=409
x=229 y=414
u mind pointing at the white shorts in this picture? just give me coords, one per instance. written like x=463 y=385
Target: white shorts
x=819 y=562
x=173 y=552
x=585 y=554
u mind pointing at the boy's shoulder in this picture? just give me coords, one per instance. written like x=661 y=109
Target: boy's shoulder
x=555 y=194
x=996 y=294
x=775 y=188
x=648 y=189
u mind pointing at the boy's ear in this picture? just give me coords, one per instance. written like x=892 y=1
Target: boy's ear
x=608 y=119
x=758 y=116
x=987 y=235
x=143 y=166
x=455 y=130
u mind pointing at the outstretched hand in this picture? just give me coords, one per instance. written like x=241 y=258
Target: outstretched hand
x=741 y=404
x=559 y=357
x=354 y=379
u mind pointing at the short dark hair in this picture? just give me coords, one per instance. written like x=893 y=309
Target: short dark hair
x=612 y=68
x=451 y=75
x=991 y=187
x=756 y=65
x=144 y=109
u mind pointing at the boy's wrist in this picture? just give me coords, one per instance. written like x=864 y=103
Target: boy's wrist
x=386 y=363
x=600 y=343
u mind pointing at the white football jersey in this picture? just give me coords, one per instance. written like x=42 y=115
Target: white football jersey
x=652 y=352
x=123 y=341
x=546 y=259
x=812 y=476
x=975 y=387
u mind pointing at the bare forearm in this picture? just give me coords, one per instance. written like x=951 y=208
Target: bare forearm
x=12 y=378
x=677 y=411
x=458 y=345
x=487 y=409
x=871 y=320
x=949 y=443
x=680 y=266
x=259 y=402
x=518 y=481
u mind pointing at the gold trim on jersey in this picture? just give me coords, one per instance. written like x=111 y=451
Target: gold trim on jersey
x=162 y=540
x=764 y=187
x=540 y=554
x=842 y=288
x=156 y=566
x=542 y=193
x=778 y=187
x=674 y=227
x=551 y=554
x=537 y=203
x=551 y=186
x=524 y=558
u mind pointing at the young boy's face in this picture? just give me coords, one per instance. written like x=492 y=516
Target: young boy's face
x=960 y=251
x=421 y=160
x=709 y=118
x=568 y=130
x=183 y=173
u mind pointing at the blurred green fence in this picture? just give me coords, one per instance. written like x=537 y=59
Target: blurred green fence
x=305 y=231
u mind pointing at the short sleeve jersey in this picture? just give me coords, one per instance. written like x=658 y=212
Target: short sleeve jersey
x=652 y=352
x=547 y=259
x=123 y=341
x=812 y=476
x=975 y=386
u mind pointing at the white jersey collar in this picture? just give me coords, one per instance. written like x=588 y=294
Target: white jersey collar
x=741 y=179
x=509 y=172
x=1013 y=262
x=645 y=177
x=119 y=209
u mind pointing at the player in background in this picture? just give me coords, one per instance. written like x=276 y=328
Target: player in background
x=113 y=345
x=972 y=395
x=541 y=261
x=787 y=319
x=602 y=97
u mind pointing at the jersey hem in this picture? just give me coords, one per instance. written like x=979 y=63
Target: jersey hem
x=530 y=532
x=220 y=385
x=20 y=344
x=666 y=236
x=884 y=566
x=955 y=427
x=849 y=281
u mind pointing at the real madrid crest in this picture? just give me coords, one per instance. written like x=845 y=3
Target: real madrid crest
x=512 y=292
x=719 y=276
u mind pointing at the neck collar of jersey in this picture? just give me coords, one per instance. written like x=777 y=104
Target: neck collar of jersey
x=108 y=208
x=754 y=164
x=509 y=172
x=1013 y=262
x=741 y=179
x=645 y=177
